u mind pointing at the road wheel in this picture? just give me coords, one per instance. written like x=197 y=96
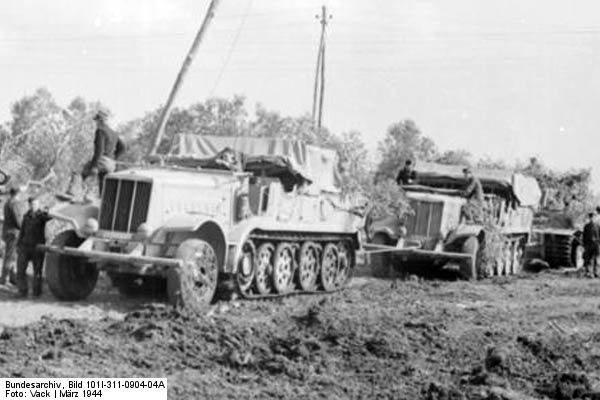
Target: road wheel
x=329 y=267
x=246 y=267
x=308 y=268
x=193 y=285
x=283 y=268
x=346 y=263
x=562 y=250
x=70 y=278
x=264 y=269
x=381 y=262
x=468 y=268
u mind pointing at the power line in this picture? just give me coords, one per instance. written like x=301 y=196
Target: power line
x=231 y=48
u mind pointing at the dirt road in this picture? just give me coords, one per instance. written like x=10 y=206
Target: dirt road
x=536 y=336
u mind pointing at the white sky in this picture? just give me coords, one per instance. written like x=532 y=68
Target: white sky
x=505 y=79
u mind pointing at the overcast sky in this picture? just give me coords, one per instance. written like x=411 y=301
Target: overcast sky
x=506 y=79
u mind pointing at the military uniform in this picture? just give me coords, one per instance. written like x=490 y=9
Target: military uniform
x=591 y=242
x=474 y=190
x=107 y=148
x=406 y=176
x=473 y=210
x=10 y=233
x=32 y=234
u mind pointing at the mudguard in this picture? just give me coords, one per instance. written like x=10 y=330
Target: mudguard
x=186 y=223
x=75 y=213
x=462 y=232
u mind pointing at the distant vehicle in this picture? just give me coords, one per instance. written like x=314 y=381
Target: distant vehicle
x=264 y=212
x=437 y=232
x=558 y=236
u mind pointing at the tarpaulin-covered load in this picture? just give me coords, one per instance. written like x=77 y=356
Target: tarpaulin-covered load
x=523 y=188
x=273 y=157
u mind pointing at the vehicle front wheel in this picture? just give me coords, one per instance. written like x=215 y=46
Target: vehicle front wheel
x=193 y=285
x=70 y=278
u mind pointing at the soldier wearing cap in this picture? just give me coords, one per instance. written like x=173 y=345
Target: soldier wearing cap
x=10 y=233
x=473 y=209
x=407 y=175
x=108 y=147
x=32 y=234
x=474 y=190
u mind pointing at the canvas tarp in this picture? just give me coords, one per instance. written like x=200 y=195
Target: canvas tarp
x=524 y=188
x=314 y=164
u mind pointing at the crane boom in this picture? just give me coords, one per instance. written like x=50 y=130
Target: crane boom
x=164 y=116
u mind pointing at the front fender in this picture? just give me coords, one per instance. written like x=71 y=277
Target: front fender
x=75 y=214
x=462 y=232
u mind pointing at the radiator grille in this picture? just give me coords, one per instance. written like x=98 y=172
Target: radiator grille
x=124 y=204
x=427 y=218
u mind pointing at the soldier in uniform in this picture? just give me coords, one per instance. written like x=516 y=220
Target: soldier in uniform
x=473 y=209
x=108 y=147
x=10 y=233
x=32 y=234
x=474 y=190
x=591 y=243
x=407 y=175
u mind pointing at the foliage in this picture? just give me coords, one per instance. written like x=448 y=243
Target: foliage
x=42 y=136
x=567 y=192
x=454 y=157
x=402 y=142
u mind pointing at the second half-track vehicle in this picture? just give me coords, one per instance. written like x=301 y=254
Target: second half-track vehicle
x=437 y=231
x=261 y=212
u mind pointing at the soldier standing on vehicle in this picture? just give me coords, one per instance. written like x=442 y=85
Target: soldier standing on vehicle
x=474 y=190
x=108 y=147
x=31 y=235
x=473 y=209
x=591 y=245
x=10 y=233
x=407 y=175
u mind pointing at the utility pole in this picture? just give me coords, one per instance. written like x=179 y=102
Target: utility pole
x=164 y=116
x=319 y=87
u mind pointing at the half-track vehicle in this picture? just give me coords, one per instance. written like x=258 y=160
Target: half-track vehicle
x=263 y=213
x=437 y=230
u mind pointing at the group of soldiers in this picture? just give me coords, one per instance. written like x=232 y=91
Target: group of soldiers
x=23 y=232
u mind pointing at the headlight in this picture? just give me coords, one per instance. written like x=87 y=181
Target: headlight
x=90 y=227
x=144 y=231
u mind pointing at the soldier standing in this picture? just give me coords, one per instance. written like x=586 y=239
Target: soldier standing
x=31 y=235
x=10 y=233
x=108 y=147
x=474 y=190
x=473 y=209
x=591 y=243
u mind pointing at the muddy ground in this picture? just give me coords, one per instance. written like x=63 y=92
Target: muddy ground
x=534 y=336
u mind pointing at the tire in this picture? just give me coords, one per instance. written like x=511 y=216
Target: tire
x=562 y=251
x=193 y=285
x=329 y=267
x=468 y=268
x=70 y=278
x=381 y=262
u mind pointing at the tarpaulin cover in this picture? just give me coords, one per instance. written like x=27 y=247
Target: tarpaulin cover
x=314 y=164
x=524 y=188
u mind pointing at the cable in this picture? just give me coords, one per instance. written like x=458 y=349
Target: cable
x=231 y=48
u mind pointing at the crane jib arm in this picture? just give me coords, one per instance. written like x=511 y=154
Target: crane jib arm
x=164 y=116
